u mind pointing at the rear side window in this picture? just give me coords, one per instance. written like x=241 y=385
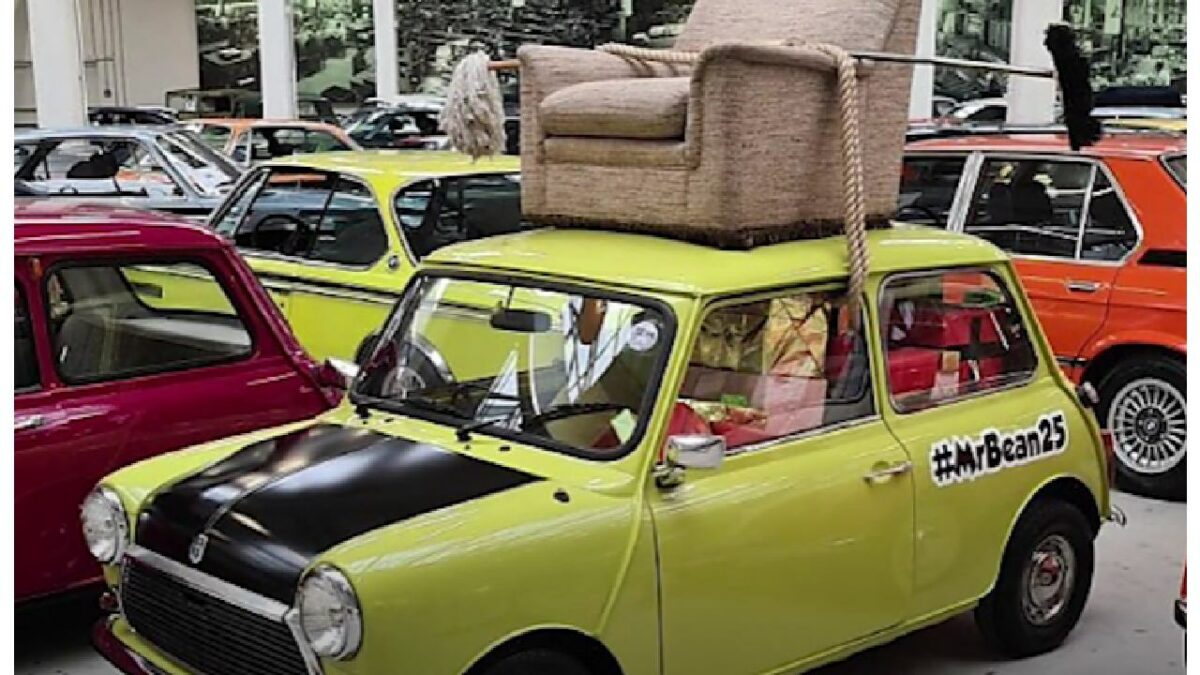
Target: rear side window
x=26 y=374
x=462 y=208
x=1109 y=233
x=949 y=334
x=116 y=321
x=927 y=189
x=1031 y=206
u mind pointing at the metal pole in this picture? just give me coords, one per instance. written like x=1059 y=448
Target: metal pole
x=277 y=55
x=387 y=69
x=921 y=102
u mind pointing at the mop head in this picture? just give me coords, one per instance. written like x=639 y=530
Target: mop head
x=1074 y=75
x=474 y=114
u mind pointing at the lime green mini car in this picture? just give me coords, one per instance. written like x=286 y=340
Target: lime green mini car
x=335 y=236
x=580 y=452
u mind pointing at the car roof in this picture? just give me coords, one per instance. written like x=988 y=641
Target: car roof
x=105 y=131
x=659 y=264
x=243 y=122
x=43 y=226
x=408 y=164
x=1128 y=145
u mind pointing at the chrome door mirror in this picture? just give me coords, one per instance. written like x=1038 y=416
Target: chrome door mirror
x=689 y=451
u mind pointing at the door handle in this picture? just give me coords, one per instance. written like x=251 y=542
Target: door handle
x=883 y=475
x=29 y=422
x=1083 y=286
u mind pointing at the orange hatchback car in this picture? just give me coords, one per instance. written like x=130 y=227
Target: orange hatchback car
x=1099 y=239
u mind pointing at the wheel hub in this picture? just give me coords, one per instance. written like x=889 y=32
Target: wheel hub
x=1049 y=581
x=1148 y=420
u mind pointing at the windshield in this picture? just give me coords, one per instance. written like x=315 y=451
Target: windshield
x=563 y=369
x=208 y=172
x=1177 y=165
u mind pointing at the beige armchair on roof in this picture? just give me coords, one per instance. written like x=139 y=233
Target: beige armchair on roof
x=740 y=147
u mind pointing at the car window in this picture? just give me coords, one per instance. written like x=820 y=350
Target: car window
x=772 y=368
x=214 y=136
x=465 y=208
x=949 y=334
x=927 y=189
x=285 y=213
x=226 y=222
x=208 y=171
x=96 y=167
x=115 y=321
x=1177 y=165
x=1030 y=206
x=1109 y=233
x=351 y=230
x=322 y=141
x=26 y=374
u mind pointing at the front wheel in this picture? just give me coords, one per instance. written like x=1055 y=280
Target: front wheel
x=1143 y=402
x=538 y=662
x=1044 y=581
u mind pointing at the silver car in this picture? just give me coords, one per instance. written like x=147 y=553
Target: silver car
x=165 y=168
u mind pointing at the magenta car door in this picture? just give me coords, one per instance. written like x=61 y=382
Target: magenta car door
x=132 y=357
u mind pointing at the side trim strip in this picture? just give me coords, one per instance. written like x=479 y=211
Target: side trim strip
x=210 y=585
x=328 y=289
x=1070 y=361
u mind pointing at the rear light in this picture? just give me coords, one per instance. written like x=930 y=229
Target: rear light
x=1110 y=457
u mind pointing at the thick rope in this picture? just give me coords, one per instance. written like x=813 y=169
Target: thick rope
x=473 y=117
x=854 y=190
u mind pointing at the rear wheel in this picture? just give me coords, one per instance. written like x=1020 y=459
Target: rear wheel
x=539 y=662
x=1143 y=402
x=1044 y=581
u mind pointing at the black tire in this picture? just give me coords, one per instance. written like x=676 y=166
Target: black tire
x=1001 y=615
x=1171 y=484
x=538 y=662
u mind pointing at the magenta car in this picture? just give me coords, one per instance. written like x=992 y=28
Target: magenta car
x=136 y=334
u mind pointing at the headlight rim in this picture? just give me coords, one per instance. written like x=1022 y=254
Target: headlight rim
x=352 y=642
x=113 y=501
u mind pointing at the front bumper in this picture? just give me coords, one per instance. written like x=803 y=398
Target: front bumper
x=128 y=653
x=1181 y=613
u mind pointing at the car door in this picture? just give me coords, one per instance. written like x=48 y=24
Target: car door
x=1037 y=208
x=802 y=540
x=979 y=415
x=133 y=372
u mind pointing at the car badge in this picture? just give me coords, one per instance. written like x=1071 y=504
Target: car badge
x=196 y=550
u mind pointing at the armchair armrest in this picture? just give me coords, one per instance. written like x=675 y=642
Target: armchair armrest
x=547 y=69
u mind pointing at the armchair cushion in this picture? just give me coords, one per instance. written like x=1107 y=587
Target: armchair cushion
x=646 y=108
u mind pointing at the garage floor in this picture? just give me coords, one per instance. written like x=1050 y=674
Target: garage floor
x=1127 y=629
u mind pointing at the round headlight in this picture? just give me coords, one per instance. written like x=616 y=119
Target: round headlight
x=329 y=613
x=105 y=527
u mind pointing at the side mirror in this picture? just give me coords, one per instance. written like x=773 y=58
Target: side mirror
x=689 y=451
x=337 y=374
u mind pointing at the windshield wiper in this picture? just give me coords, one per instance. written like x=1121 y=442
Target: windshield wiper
x=463 y=434
x=565 y=410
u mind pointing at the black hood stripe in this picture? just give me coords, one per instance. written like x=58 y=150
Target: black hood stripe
x=272 y=507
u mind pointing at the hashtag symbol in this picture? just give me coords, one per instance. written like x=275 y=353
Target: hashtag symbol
x=943 y=463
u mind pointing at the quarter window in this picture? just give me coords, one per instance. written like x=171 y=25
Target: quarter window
x=950 y=334
x=1109 y=233
x=116 y=321
x=26 y=371
x=1031 y=207
x=927 y=189
x=773 y=368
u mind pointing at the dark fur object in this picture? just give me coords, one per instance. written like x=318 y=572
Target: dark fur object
x=1074 y=78
x=739 y=239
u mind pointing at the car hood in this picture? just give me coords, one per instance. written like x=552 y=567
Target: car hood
x=260 y=516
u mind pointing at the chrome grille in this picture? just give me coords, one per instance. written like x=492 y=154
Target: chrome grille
x=203 y=632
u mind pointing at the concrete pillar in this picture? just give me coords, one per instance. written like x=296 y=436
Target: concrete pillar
x=54 y=45
x=387 y=70
x=920 y=105
x=1031 y=100
x=277 y=55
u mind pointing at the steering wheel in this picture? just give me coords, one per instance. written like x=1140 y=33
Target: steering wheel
x=295 y=238
x=933 y=216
